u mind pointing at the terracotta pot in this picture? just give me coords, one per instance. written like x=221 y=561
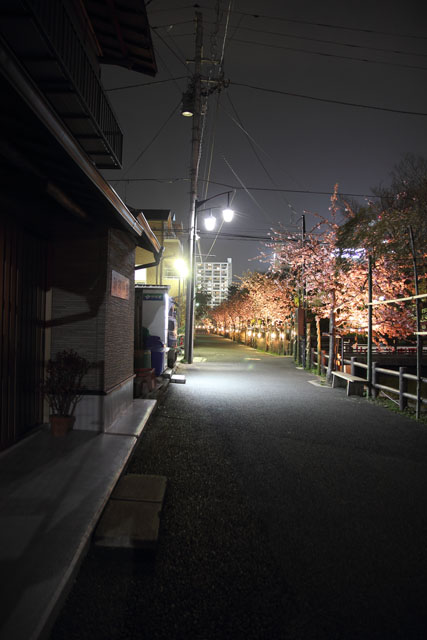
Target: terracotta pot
x=61 y=425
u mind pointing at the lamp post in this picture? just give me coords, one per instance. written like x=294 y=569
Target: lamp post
x=191 y=288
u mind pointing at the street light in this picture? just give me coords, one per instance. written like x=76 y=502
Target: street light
x=211 y=221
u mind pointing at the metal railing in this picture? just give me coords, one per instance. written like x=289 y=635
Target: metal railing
x=401 y=390
x=61 y=35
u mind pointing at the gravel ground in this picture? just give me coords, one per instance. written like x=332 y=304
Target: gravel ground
x=292 y=512
x=212 y=575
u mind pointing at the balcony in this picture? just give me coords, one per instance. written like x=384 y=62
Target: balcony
x=47 y=41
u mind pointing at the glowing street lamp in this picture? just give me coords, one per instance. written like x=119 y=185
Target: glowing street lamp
x=210 y=223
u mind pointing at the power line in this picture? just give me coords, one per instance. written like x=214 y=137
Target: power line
x=328 y=100
x=334 y=42
x=145 y=84
x=294 y=36
x=330 y=55
x=170 y=49
x=240 y=188
x=326 y=25
x=252 y=144
x=174 y=110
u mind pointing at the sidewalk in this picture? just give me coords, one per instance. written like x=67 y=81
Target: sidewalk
x=52 y=493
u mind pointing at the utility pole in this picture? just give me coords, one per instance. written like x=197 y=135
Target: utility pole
x=194 y=176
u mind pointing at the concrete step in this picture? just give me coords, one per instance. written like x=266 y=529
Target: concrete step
x=131 y=518
x=178 y=378
x=133 y=421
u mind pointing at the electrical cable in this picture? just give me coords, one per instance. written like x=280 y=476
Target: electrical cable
x=330 y=55
x=328 y=100
x=233 y=187
x=317 y=40
x=335 y=42
x=325 y=25
x=252 y=145
x=143 y=84
x=170 y=49
x=245 y=188
x=172 y=113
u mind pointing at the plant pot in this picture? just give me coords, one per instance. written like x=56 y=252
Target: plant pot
x=61 y=425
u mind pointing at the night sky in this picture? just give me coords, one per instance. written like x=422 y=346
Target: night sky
x=364 y=53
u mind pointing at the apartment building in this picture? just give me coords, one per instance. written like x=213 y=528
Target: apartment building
x=214 y=278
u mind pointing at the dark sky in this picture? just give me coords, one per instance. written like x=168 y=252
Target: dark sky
x=301 y=144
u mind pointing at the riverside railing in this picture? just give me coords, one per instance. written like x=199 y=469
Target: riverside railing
x=402 y=376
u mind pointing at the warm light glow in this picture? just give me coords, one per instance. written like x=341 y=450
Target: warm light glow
x=210 y=223
x=259 y=335
x=181 y=267
x=273 y=336
x=228 y=214
x=249 y=333
x=186 y=113
x=282 y=335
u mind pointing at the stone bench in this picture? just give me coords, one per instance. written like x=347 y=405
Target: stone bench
x=354 y=384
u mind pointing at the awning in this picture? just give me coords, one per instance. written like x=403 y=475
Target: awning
x=123 y=33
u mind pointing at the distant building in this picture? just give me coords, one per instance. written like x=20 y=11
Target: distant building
x=214 y=278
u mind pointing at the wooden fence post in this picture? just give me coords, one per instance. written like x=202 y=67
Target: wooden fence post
x=403 y=388
x=374 y=379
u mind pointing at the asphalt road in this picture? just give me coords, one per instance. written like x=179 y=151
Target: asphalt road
x=292 y=511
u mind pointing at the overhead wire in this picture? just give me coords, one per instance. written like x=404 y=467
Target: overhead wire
x=214 y=46
x=143 y=84
x=328 y=100
x=330 y=55
x=334 y=42
x=156 y=135
x=234 y=187
x=254 y=200
x=252 y=144
x=174 y=53
x=326 y=25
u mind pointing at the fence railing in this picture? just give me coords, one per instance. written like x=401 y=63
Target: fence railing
x=378 y=374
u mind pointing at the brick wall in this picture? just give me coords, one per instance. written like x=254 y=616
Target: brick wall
x=79 y=282
x=119 y=328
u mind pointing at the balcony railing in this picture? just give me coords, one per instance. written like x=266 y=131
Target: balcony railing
x=63 y=40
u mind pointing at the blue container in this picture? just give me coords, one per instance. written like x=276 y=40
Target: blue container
x=158 y=360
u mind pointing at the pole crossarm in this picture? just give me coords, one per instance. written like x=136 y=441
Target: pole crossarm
x=376 y=302
x=200 y=203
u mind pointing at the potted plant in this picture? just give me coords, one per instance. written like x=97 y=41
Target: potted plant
x=63 y=388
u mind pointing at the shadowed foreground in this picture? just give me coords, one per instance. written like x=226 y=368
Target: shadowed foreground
x=291 y=511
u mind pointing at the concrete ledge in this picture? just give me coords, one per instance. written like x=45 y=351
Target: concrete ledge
x=143 y=488
x=133 y=421
x=132 y=516
x=52 y=494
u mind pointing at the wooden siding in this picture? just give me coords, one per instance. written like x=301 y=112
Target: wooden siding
x=22 y=298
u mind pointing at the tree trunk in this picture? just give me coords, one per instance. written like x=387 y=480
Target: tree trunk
x=331 y=366
x=319 y=347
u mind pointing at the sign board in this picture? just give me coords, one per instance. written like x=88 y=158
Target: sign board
x=153 y=296
x=119 y=285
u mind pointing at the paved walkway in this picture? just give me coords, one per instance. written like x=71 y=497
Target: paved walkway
x=52 y=492
x=292 y=512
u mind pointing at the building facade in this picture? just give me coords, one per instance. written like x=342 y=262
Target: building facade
x=67 y=241
x=214 y=278
x=168 y=271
